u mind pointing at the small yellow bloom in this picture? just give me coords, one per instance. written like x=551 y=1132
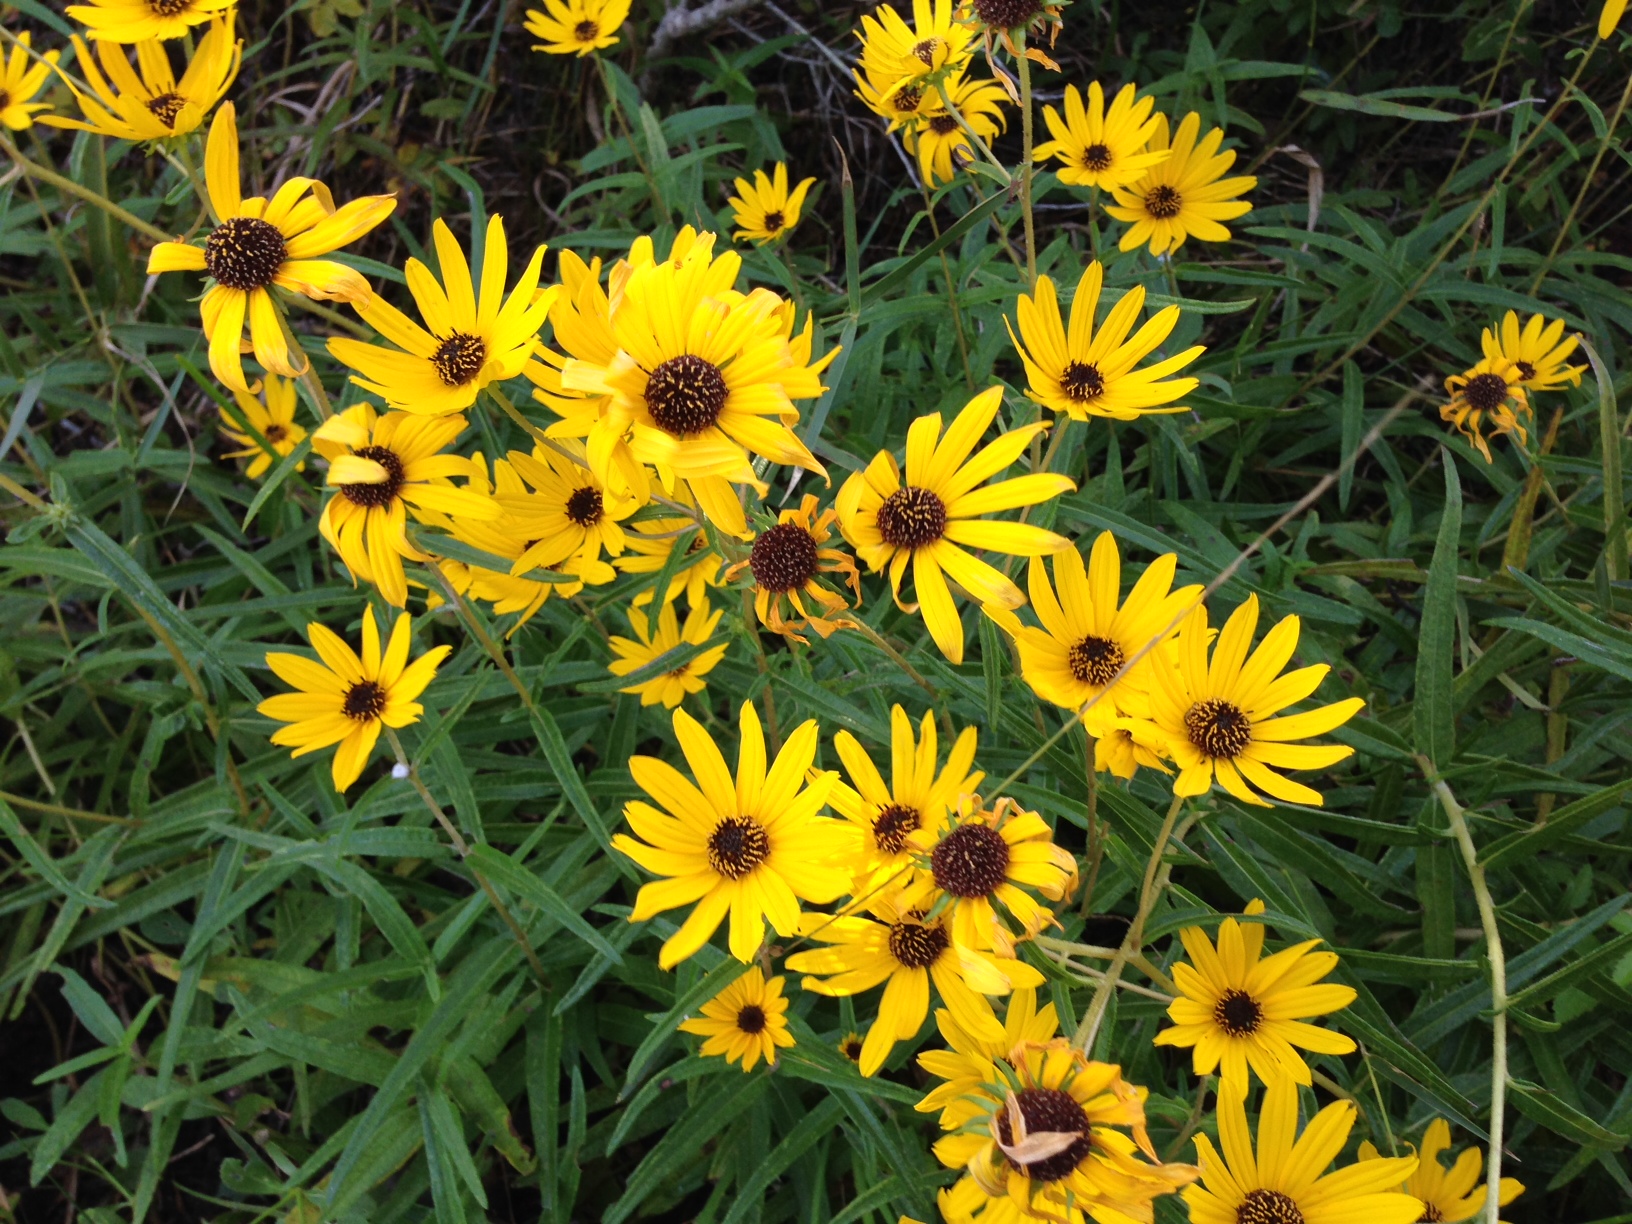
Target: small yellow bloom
x=1126 y=745
x=930 y=520
x=936 y=138
x=1610 y=16
x=745 y=1022
x=649 y=545
x=1539 y=350
x=154 y=105
x=1490 y=395
x=896 y=54
x=970 y=1061
x=765 y=209
x=1239 y=1009
x=786 y=562
x=1100 y=149
x=344 y=699
x=850 y=1046
x=1185 y=195
x=274 y=421
x=130 y=21
x=566 y=514
x=671 y=687
x=1455 y=1194
x=20 y=80
x=577 y=27
x=259 y=244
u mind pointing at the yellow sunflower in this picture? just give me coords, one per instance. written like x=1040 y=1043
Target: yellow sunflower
x=969 y=1063
x=765 y=209
x=258 y=244
x=1539 y=350
x=274 y=421
x=344 y=699
x=939 y=142
x=1286 y=1179
x=1053 y=1131
x=1185 y=195
x=1450 y=1195
x=899 y=103
x=153 y=105
x=671 y=687
x=918 y=797
x=931 y=519
x=1126 y=745
x=566 y=513
x=1087 y=373
x=129 y=21
x=20 y=80
x=787 y=561
x=1490 y=396
x=652 y=540
x=1239 y=1009
x=850 y=1046
x=379 y=467
x=577 y=27
x=745 y=1022
x=475 y=337
x=898 y=55
x=752 y=846
x=1085 y=640
x=1097 y=148
x=979 y=859
x=1220 y=721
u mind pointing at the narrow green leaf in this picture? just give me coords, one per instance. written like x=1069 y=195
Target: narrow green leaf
x=1433 y=720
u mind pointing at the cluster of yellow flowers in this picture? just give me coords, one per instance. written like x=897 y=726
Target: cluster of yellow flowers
x=1494 y=393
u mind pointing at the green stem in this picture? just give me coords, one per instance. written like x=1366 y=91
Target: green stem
x=36 y=171
x=873 y=636
x=973 y=135
x=1025 y=164
x=951 y=292
x=750 y=626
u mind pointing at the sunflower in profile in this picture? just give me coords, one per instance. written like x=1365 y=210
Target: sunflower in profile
x=751 y=846
x=919 y=795
x=1219 y=719
x=20 y=81
x=765 y=209
x=900 y=56
x=787 y=561
x=1100 y=148
x=969 y=1062
x=274 y=421
x=651 y=541
x=1539 y=349
x=939 y=142
x=1489 y=396
x=1239 y=1009
x=1085 y=639
x=153 y=105
x=344 y=699
x=130 y=21
x=907 y=952
x=379 y=468
x=672 y=686
x=1053 y=1131
x=745 y=1022
x=577 y=27
x=979 y=860
x=475 y=338
x=1186 y=195
x=1087 y=373
x=565 y=512
x=1286 y=1181
x=1450 y=1195
x=261 y=244
x=930 y=520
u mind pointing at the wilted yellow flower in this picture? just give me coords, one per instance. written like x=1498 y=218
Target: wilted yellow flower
x=1489 y=396
x=787 y=562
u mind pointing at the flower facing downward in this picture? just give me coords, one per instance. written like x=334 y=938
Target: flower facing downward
x=477 y=336
x=577 y=27
x=1450 y=1195
x=1240 y=1009
x=1184 y=196
x=1490 y=396
x=787 y=561
x=745 y=1022
x=153 y=105
x=20 y=81
x=1085 y=373
x=1100 y=149
x=935 y=515
x=765 y=209
x=1219 y=719
x=259 y=244
x=1538 y=349
x=129 y=21
x=1285 y=1181
x=344 y=699
x=274 y=421
x=672 y=686
x=750 y=846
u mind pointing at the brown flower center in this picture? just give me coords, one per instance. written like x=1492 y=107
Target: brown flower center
x=1238 y=1013
x=1096 y=157
x=1081 y=382
x=738 y=845
x=1163 y=202
x=850 y=1047
x=459 y=358
x=773 y=222
x=1268 y=1207
x=1526 y=371
x=783 y=558
x=1485 y=391
x=168 y=8
x=586 y=31
x=970 y=861
x=1095 y=660
x=911 y=518
x=925 y=51
x=364 y=701
x=275 y=434
x=893 y=824
x=1049 y=1109
x=585 y=507
x=1006 y=14
x=1430 y=1215
x=686 y=395
x=943 y=125
x=917 y=946
x=245 y=253
x=1219 y=728
x=166 y=107
x=751 y=1019
x=906 y=100
x=383 y=493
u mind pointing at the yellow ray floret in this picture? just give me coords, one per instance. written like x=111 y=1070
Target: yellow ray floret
x=129 y=21
x=652 y=642
x=20 y=80
x=1100 y=148
x=1455 y=1194
x=745 y=1022
x=274 y=421
x=766 y=209
x=577 y=27
x=1539 y=349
